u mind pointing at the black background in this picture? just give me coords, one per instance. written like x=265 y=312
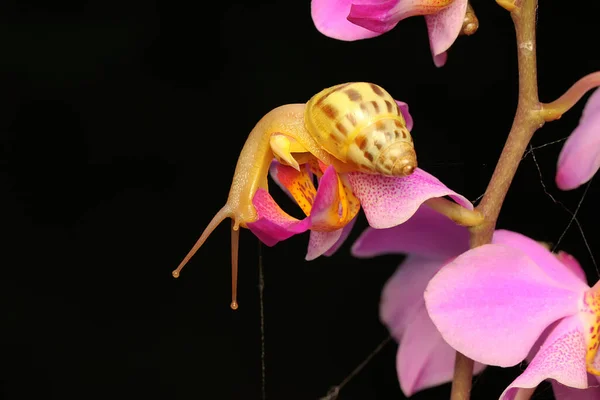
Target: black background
x=120 y=126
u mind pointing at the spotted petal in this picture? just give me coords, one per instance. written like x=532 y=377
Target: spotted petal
x=390 y=201
x=561 y=357
x=274 y=224
x=493 y=302
x=296 y=184
x=320 y=242
x=579 y=158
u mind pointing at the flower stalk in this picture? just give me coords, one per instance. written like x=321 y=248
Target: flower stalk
x=461 y=215
x=527 y=120
x=555 y=110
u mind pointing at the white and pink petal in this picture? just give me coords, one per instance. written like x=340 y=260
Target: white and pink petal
x=493 y=302
x=402 y=294
x=579 y=158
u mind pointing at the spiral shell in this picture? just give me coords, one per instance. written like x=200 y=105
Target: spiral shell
x=360 y=124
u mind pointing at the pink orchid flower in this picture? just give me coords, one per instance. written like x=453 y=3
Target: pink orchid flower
x=361 y=19
x=579 y=158
x=494 y=302
x=332 y=208
x=331 y=211
x=431 y=240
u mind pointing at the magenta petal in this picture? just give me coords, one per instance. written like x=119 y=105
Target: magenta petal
x=542 y=257
x=390 y=201
x=561 y=357
x=273 y=224
x=427 y=233
x=326 y=198
x=580 y=156
x=378 y=15
x=320 y=242
x=440 y=59
x=562 y=392
x=445 y=25
x=492 y=303
x=345 y=233
x=402 y=294
x=403 y=107
x=572 y=265
x=424 y=360
x=330 y=18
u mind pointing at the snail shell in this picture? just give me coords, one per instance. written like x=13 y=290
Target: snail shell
x=360 y=124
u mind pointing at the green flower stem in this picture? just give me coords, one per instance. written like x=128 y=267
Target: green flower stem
x=527 y=120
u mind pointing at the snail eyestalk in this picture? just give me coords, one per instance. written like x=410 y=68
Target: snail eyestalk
x=235 y=236
x=217 y=219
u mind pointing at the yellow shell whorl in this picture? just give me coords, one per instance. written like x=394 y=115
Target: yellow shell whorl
x=360 y=124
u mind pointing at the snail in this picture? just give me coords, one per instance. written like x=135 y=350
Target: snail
x=354 y=127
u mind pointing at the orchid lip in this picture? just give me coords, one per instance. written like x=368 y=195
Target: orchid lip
x=590 y=312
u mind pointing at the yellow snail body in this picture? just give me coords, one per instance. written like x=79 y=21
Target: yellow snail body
x=353 y=127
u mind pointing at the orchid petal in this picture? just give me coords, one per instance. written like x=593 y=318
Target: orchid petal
x=572 y=265
x=390 y=201
x=542 y=257
x=403 y=107
x=273 y=224
x=424 y=360
x=589 y=315
x=345 y=233
x=383 y=15
x=562 y=392
x=297 y=184
x=330 y=208
x=444 y=27
x=492 y=303
x=320 y=242
x=330 y=18
x=440 y=59
x=402 y=294
x=579 y=158
x=561 y=357
x=427 y=233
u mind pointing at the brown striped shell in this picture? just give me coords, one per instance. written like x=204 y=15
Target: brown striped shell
x=360 y=124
